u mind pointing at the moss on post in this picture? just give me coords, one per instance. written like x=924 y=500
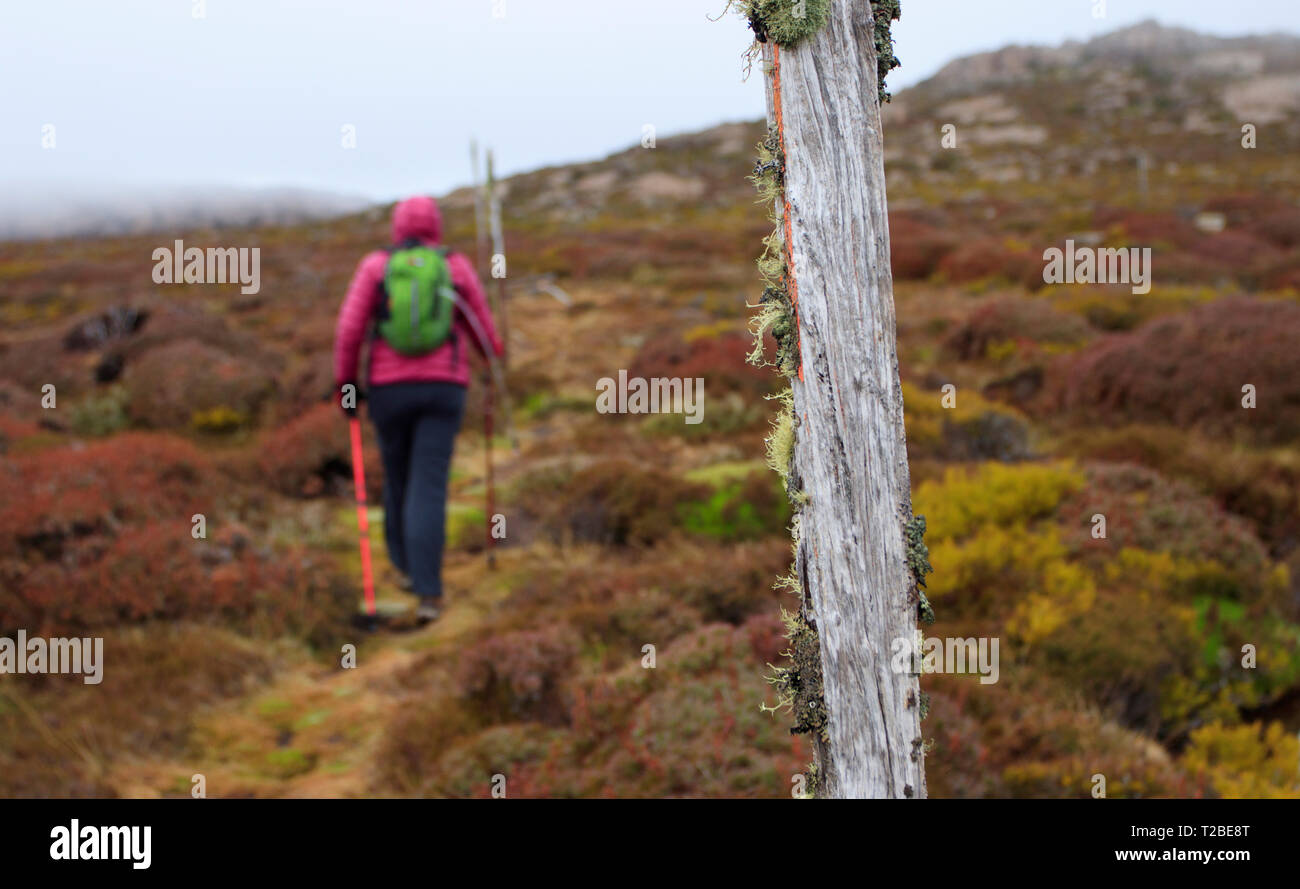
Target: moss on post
x=785 y=22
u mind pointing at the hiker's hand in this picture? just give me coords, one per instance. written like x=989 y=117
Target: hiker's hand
x=347 y=396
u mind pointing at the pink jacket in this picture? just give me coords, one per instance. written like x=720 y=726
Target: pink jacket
x=416 y=218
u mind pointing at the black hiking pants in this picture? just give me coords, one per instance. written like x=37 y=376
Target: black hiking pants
x=417 y=425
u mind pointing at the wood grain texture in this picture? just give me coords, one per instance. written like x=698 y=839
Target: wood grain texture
x=850 y=455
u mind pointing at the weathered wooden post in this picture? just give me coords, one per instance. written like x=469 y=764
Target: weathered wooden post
x=828 y=301
x=480 y=211
x=485 y=197
x=498 y=256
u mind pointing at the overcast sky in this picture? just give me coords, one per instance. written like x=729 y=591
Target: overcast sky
x=257 y=92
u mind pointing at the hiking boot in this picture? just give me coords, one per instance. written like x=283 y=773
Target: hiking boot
x=366 y=623
x=428 y=611
x=405 y=583
x=410 y=620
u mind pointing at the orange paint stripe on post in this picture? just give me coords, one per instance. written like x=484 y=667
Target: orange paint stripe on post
x=363 y=523
x=789 y=239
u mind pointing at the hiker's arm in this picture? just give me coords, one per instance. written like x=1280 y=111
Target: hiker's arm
x=470 y=290
x=357 y=310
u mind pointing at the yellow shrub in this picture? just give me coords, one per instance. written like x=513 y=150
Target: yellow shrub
x=995 y=495
x=1066 y=592
x=218 y=419
x=999 y=555
x=1246 y=761
x=1184 y=698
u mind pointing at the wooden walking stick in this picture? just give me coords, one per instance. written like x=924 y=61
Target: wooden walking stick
x=498 y=255
x=480 y=208
x=488 y=407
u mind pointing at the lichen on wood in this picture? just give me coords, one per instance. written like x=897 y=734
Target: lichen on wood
x=780 y=441
x=918 y=562
x=785 y=22
x=883 y=14
x=799 y=685
x=775 y=308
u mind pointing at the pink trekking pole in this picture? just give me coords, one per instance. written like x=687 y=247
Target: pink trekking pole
x=363 y=524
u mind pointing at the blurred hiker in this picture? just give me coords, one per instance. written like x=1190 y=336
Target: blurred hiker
x=417 y=294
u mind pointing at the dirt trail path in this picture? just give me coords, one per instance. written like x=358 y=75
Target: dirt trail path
x=316 y=729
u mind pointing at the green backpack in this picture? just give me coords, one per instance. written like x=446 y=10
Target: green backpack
x=419 y=299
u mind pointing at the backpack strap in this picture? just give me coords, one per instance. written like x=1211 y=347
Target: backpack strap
x=381 y=310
